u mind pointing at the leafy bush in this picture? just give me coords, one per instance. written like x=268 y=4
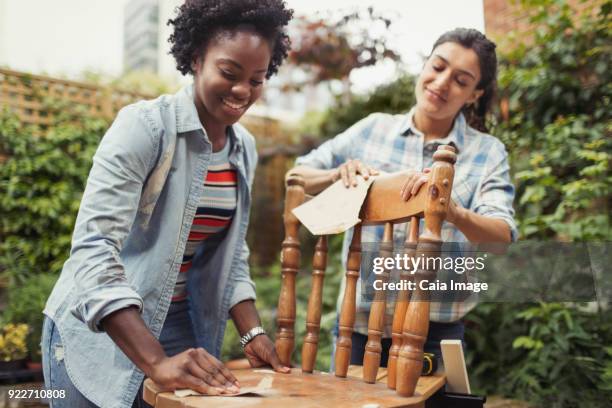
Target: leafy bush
x=558 y=87
x=26 y=303
x=395 y=97
x=41 y=183
x=553 y=355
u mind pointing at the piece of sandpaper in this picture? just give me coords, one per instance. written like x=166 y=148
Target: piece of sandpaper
x=335 y=209
x=264 y=385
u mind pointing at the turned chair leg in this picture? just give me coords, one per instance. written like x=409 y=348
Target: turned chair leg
x=416 y=325
x=376 y=322
x=401 y=305
x=347 y=310
x=315 y=301
x=290 y=263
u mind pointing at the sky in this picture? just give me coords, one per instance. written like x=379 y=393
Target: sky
x=66 y=37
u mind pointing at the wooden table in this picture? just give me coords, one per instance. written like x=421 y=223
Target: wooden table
x=298 y=390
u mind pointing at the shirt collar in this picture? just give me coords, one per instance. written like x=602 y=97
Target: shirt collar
x=455 y=137
x=187 y=118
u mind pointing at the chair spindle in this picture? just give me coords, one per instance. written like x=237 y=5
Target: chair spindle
x=315 y=300
x=401 y=304
x=290 y=263
x=376 y=321
x=347 y=310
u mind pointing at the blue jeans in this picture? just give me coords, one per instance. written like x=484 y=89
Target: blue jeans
x=176 y=336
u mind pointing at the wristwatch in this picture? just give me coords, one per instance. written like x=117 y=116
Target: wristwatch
x=250 y=335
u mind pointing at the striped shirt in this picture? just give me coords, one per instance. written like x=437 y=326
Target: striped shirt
x=392 y=143
x=214 y=214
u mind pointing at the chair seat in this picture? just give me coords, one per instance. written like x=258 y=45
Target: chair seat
x=298 y=390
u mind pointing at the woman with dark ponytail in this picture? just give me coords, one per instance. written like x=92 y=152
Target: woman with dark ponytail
x=454 y=92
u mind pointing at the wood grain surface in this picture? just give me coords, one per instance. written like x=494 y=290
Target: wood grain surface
x=298 y=390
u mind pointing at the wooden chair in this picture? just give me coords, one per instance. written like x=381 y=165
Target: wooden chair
x=306 y=387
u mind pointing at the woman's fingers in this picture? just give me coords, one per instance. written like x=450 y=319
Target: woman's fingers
x=221 y=370
x=276 y=364
x=351 y=168
x=199 y=385
x=344 y=175
x=201 y=367
x=255 y=361
x=412 y=186
x=403 y=191
x=418 y=183
x=407 y=188
x=197 y=371
x=363 y=170
x=421 y=178
x=231 y=378
x=261 y=351
x=214 y=369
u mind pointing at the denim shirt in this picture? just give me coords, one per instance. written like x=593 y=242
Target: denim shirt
x=130 y=235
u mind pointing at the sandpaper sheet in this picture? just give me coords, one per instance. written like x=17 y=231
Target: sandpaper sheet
x=264 y=385
x=335 y=209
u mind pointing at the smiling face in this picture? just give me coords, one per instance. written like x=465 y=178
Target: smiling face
x=229 y=77
x=448 y=81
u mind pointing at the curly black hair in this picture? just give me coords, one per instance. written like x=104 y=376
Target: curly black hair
x=198 y=21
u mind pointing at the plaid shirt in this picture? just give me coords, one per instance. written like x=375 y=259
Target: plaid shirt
x=391 y=143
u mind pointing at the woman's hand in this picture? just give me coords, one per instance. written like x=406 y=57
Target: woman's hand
x=454 y=212
x=260 y=352
x=195 y=369
x=413 y=184
x=348 y=172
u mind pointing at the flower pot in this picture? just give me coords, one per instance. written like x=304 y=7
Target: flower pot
x=12 y=365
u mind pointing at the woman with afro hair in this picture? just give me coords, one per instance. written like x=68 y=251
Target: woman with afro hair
x=159 y=257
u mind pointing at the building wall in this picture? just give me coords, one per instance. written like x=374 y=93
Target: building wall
x=3 y=33
x=140 y=41
x=504 y=16
x=166 y=66
x=146 y=33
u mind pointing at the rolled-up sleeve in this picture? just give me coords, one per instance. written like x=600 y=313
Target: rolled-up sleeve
x=496 y=192
x=337 y=150
x=106 y=214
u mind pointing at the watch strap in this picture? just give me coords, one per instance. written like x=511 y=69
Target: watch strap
x=250 y=335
